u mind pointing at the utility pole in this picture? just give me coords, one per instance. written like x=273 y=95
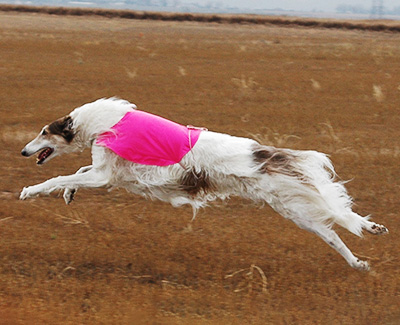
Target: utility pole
x=377 y=9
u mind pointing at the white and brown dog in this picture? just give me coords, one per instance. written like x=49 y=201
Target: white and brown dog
x=297 y=184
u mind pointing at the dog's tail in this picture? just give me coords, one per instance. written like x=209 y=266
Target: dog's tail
x=318 y=168
x=306 y=188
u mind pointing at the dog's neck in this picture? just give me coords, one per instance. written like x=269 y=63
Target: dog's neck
x=93 y=119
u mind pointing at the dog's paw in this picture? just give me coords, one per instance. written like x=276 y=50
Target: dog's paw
x=27 y=193
x=361 y=265
x=376 y=229
x=69 y=195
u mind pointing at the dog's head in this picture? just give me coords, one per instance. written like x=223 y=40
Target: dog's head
x=54 y=140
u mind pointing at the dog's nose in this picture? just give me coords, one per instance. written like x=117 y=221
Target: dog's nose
x=24 y=152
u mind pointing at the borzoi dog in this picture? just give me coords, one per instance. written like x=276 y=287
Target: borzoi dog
x=160 y=159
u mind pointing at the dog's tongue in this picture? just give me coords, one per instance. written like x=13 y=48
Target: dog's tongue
x=43 y=155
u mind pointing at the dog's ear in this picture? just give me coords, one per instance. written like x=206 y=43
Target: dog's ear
x=63 y=127
x=67 y=132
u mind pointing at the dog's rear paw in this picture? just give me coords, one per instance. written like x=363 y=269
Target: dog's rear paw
x=376 y=229
x=361 y=265
x=69 y=195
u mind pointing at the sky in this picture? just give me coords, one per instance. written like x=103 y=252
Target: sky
x=303 y=5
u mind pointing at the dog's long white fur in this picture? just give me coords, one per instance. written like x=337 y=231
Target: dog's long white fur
x=308 y=195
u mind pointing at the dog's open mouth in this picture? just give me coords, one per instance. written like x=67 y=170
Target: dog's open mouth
x=43 y=155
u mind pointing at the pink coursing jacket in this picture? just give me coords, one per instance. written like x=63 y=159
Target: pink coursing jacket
x=149 y=139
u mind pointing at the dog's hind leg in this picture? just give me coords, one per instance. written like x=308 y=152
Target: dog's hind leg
x=332 y=239
x=69 y=193
x=356 y=223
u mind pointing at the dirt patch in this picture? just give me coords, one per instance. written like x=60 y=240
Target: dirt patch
x=116 y=258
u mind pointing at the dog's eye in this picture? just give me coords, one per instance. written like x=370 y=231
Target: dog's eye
x=44 y=132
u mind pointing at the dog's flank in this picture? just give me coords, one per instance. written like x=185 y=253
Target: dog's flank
x=194 y=182
x=300 y=185
x=273 y=160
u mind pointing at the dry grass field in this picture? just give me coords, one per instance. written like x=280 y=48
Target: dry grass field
x=114 y=258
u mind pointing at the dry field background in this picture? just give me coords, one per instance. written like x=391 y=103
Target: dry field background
x=113 y=258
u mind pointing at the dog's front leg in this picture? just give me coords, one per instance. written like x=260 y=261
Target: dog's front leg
x=69 y=193
x=91 y=178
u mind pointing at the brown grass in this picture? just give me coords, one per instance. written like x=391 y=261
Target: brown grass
x=114 y=258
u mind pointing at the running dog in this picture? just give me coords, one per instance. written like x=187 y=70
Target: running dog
x=160 y=159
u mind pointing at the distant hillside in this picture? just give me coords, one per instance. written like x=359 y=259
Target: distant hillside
x=367 y=25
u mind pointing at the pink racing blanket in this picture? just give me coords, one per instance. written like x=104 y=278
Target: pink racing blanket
x=149 y=139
